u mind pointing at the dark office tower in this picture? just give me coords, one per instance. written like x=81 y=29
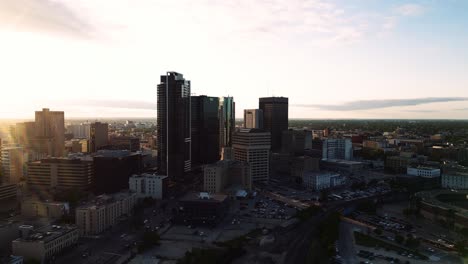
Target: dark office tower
x=99 y=136
x=227 y=121
x=205 y=129
x=275 y=118
x=173 y=126
x=50 y=130
x=113 y=168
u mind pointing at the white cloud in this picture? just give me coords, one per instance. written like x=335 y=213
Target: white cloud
x=410 y=10
x=316 y=21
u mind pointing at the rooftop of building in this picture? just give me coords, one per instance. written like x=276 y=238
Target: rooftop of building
x=65 y=160
x=149 y=175
x=114 y=154
x=46 y=233
x=320 y=173
x=203 y=197
x=32 y=200
x=252 y=130
x=227 y=162
x=105 y=199
x=341 y=161
x=424 y=168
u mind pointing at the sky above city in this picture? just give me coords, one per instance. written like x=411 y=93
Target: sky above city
x=332 y=59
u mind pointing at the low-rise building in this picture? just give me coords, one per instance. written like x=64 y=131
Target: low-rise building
x=424 y=172
x=224 y=173
x=322 y=180
x=104 y=212
x=303 y=164
x=202 y=209
x=455 y=180
x=342 y=165
x=54 y=174
x=148 y=185
x=52 y=210
x=124 y=143
x=44 y=243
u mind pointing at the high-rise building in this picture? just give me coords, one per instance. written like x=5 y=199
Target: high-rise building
x=59 y=174
x=253 y=118
x=275 y=118
x=205 y=129
x=173 y=125
x=227 y=121
x=98 y=136
x=12 y=162
x=337 y=148
x=50 y=127
x=253 y=146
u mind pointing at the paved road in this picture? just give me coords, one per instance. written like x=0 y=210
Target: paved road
x=346 y=244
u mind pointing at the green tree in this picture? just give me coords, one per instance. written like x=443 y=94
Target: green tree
x=378 y=231
x=399 y=239
x=460 y=246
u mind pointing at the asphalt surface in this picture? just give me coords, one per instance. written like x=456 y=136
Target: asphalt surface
x=346 y=245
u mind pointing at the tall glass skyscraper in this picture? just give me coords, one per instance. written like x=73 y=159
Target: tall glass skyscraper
x=173 y=126
x=275 y=118
x=205 y=129
x=227 y=121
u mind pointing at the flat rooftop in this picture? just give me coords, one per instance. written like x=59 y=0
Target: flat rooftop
x=345 y=162
x=104 y=199
x=195 y=197
x=48 y=233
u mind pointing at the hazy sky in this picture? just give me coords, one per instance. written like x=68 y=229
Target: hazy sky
x=333 y=59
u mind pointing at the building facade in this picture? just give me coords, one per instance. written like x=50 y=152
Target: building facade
x=104 y=212
x=202 y=209
x=44 y=243
x=173 y=125
x=12 y=162
x=113 y=168
x=51 y=210
x=227 y=121
x=98 y=136
x=222 y=174
x=319 y=180
x=80 y=130
x=293 y=142
x=148 y=185
x=337 y=148
x=253 y=118
x=58 y=174
x=131 y=144
x=8 y=191
x=205 y=129
x=455 y=180
x=253 y=146
x=275 y=118
x=424 y=172
x=50 y=127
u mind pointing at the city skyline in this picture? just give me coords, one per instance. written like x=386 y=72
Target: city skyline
x=338 y=59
